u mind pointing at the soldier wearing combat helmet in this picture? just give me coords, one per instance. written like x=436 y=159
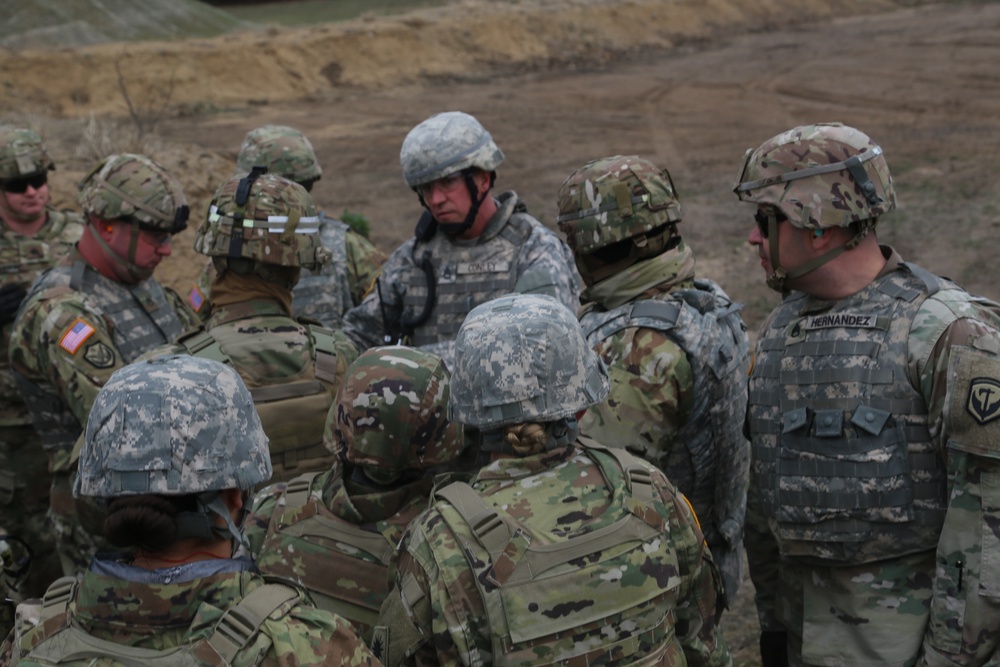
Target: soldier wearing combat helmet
x=98 y=309
x=389 y=427
x=468 y=247
x=326 y=293
x=261 y=231
x=34 y=236
x=871 y=530
x=173 y=450
x=676 y=349
x=560 y=551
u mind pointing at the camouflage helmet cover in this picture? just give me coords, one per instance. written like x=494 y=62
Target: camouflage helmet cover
x=263 y=217
x=523 y=358
x=22 y=153
x=823 y=175
x=392 y=412
x=445 y=144
x=284 y=150
x=613 y=199
x=134 y=188
x=173 y=425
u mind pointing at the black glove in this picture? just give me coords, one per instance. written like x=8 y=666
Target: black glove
x=774 y=649
x=11 y=297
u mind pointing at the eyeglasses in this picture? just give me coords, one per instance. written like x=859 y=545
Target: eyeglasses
x=763 y=220
x=19 y=186
x=445 y=184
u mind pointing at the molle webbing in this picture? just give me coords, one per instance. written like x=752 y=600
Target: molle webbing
x=459 y=291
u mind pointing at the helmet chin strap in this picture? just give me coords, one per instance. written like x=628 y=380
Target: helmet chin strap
x=134 y=272
x=777 y=280
x=459 y=228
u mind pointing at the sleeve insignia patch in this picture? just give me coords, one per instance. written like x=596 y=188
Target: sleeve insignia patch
x=76 y=335
x=196 y=299
x=100 y=355
x=984 y=399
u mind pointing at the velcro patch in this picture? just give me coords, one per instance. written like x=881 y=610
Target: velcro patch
x=974 y=402
x=842 y=321
x=76 y=335
x=464 y=268
x=196 y=299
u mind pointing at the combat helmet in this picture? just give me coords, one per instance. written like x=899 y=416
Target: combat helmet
x=816 y=177
x=523 y=358
x=263 y=218
x=391 y=414
x=22 y=153
x=284 y=150
x=449 y=143
x=174 y=425
x=616 y=211
x=134 y=189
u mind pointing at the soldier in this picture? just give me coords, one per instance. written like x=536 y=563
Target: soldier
x=676 y=349
x=388 y=427
x=260 y=231
x=468 y=247
x=34 y=237
x=173 y=449
x=339 y=284
x=872 y=514
x=98 y=309
x=561 y=551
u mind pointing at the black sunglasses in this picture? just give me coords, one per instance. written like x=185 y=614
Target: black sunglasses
x=19 y=186
x=762 y=219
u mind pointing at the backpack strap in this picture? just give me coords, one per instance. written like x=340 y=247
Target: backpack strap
x=325 y=347
x=241 y=623
x=201 y=343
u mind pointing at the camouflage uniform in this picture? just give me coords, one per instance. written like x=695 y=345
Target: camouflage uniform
x=568 y=553
x=432 y=281
x=871 y=528
x=388 y=426
x=76 y=327
x=24 y=468
x=292 y=368
x=329 y=292
x=676 y=349
x=162 y=427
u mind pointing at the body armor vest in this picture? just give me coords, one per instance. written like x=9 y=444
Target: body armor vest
x=464 y=275
x=141 y=319
x=292 y=413
x=326 y=296
x=521 y=582
x=843 y=459
x=22 y=259
x=236 y=631
x=320 y=542
x=701 y=461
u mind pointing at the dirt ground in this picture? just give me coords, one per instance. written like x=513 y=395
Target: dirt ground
x=690 y=85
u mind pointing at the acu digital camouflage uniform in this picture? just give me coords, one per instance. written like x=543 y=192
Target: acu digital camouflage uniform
x=333 y=532
x=432 y=281
x=77 y=326
x=872 y=520
x=177 y=426
x=259 y=230
x=574 y=555
x=676 y=349
x=329 y=291
x=24 y=468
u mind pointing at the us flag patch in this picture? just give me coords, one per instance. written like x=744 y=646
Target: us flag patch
x=76 y=336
